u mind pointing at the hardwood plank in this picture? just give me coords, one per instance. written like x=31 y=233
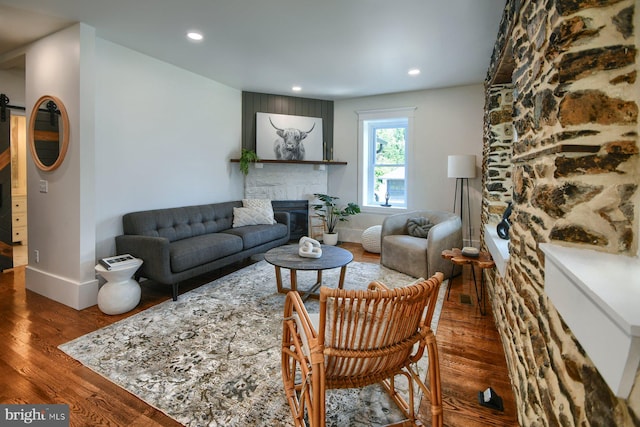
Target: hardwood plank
x=35 y=371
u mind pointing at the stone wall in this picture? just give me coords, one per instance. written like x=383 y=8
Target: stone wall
x=497 y=152
x=575 y=172
x=278 y=181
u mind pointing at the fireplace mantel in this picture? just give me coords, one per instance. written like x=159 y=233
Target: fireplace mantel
x=298 y=162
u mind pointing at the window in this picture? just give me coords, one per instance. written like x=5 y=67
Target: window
x=385 y=137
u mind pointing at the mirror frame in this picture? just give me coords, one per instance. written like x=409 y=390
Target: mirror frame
x=64 y=143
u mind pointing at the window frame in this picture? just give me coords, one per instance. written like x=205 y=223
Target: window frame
x=365 y=159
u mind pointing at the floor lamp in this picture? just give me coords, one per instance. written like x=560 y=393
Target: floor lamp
x=462 y=167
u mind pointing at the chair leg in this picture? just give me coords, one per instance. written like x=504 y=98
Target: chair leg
x=434 y=381
x=295 y=392
x=303 y=382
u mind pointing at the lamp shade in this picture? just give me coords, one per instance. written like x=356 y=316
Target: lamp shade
x=462 y=166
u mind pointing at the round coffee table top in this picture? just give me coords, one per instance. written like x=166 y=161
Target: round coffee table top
x=287 y=257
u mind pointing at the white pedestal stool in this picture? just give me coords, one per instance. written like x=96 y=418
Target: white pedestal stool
x=121 y=293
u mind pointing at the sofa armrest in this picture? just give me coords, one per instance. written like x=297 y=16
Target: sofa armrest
x=154 y=251
x=282 y=218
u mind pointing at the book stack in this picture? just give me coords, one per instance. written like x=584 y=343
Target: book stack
x=118 y=261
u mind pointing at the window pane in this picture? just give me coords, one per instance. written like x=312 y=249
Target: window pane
x=390 y=144
x=385 y=157
x=389 y=183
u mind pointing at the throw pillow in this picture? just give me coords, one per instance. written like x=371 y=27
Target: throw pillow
x=263 y=205
x=419 y=227
x=250 y=216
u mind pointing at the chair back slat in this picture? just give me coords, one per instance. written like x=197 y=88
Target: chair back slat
x=368 y=333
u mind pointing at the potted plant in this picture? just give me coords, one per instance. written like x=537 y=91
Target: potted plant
x=247 y=157
x=331 y=214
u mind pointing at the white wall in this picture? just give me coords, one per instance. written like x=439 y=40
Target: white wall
x=144 y=134
x=61 y=221
x=164 y=137
x=12 y=84
x=447 y=121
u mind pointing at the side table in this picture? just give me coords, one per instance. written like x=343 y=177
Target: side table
x=121 y=293
x=483 y=260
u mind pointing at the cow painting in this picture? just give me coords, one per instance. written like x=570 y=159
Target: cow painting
x=289 y=145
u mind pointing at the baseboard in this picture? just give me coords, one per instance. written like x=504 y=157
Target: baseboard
x=61 y=289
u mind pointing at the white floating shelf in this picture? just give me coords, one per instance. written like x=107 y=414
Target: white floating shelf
x=498 y=248
x=598 y=296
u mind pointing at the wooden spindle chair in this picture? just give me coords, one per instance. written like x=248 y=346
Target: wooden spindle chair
x=360 y=337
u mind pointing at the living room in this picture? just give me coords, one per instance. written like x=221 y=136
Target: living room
x=166 y=138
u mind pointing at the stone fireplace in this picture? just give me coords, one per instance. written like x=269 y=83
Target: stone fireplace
x=298 y=216
x=290 y=187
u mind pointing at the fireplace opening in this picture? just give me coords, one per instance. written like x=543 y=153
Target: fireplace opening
x=298 y=216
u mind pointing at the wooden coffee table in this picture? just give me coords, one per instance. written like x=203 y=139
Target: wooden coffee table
x=482 y=261
x=287 y=257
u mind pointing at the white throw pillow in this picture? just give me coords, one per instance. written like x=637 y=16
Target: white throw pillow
x=250 y=216
x=262 y=205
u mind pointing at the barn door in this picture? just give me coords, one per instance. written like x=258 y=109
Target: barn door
x=6 y=237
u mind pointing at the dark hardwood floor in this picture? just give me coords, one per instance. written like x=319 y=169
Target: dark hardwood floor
x=35 y=371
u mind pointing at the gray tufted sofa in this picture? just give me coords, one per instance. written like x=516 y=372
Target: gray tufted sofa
x=180 y=243
x=416 y=256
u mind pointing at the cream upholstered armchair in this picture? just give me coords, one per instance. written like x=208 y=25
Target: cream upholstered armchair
x=419 y=256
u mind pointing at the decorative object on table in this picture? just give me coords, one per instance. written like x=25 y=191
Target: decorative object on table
x=213 y=358
x=247 y=157
x=397 y=336
x=462 y=167
x=286 y=137
x=505 y=224
x=309 y=248
x=371 y=239
x=470 y=251
x=419 y=227
x=118 y=261
x=331 y=214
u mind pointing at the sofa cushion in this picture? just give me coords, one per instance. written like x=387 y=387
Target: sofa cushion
x=255 y=235
x=251 y=216
x=188 y=253
x=263 y=205
x=419 y=227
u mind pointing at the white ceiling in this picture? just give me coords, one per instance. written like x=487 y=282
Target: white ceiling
x=331 y=48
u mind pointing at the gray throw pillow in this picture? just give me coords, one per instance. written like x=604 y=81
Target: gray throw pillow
x=419 y=227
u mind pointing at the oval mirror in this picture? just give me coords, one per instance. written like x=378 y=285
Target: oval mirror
x=49 y=132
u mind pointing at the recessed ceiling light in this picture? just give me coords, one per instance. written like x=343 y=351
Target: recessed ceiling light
x=195 y=36
x=296 y=88
x=414 y=72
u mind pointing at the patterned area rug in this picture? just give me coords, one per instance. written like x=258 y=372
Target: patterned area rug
x=213 y=357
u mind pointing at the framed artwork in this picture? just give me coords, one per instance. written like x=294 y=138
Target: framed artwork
x=285 y=137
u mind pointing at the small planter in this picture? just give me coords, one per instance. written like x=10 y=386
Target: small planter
x=330 y=239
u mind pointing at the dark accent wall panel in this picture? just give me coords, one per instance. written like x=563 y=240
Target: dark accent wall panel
x=253 y=102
